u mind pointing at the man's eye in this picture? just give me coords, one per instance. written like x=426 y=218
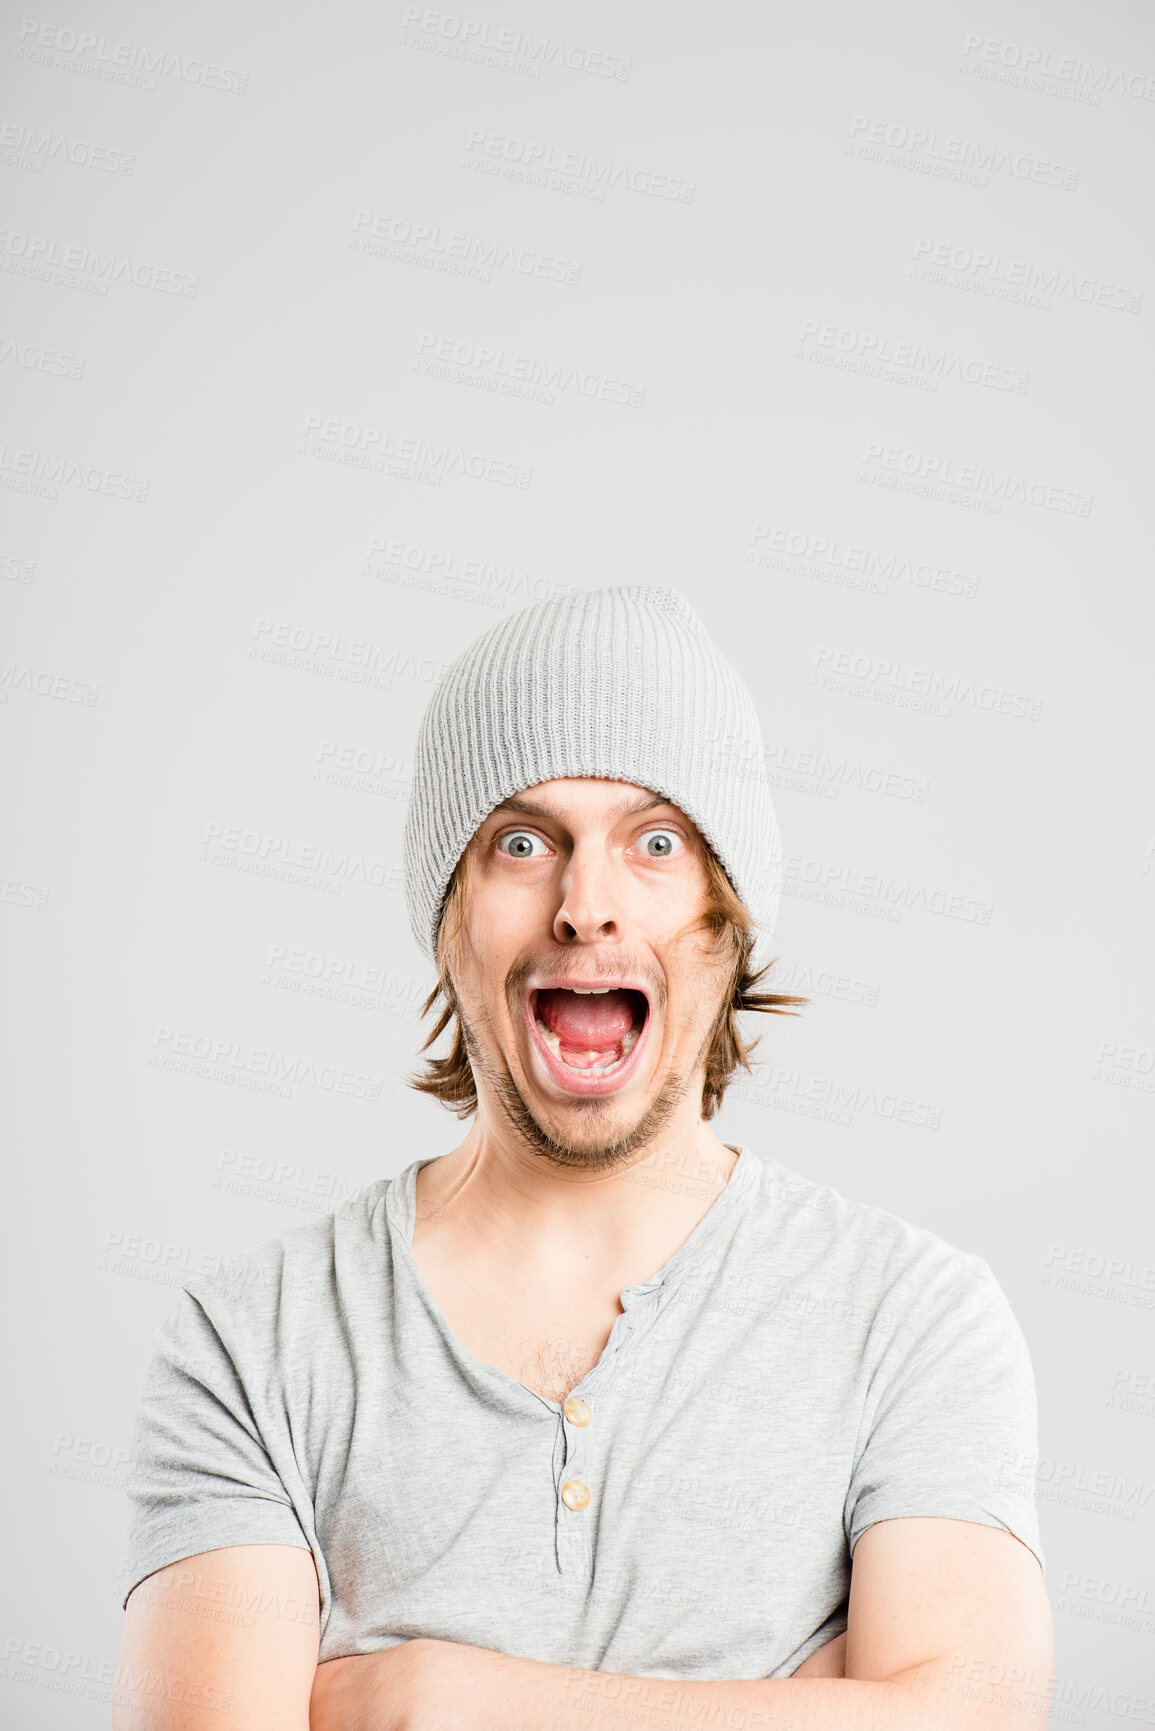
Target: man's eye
x=518 y=844
x=661 y=843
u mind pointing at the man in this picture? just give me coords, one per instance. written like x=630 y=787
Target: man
x=596 y=1414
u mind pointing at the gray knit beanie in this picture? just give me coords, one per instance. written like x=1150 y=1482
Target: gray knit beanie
x=622 y=684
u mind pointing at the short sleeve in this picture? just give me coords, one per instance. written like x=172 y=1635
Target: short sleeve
x=950 y=1422
x=201 y=1476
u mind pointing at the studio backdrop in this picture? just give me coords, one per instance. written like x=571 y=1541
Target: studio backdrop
x=331 y=335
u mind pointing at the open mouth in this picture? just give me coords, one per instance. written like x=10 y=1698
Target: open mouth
x=589 y=1032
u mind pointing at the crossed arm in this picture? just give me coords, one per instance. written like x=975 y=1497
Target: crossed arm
x=948 y=1629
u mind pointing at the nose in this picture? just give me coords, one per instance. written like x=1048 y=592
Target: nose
x=589 y=908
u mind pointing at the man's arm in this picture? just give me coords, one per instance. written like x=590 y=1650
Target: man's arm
x=962 y=1603
x=948 y=1629
x=223 y=1641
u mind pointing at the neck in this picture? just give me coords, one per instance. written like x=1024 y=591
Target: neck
x=496 y=1189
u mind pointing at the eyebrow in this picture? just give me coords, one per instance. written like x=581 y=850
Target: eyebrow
x=542 y=808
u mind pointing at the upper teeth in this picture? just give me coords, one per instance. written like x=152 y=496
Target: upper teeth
x=590 y=991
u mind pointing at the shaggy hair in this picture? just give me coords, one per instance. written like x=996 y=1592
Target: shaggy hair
x=450 y=1079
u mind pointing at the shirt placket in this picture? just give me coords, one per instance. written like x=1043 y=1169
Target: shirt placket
x=580 y=1452
x=578 y=1480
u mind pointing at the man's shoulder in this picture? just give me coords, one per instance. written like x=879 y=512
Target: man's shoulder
x=869 y=1241
x=301 y=1262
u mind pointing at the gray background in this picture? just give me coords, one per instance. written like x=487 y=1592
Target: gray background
x=330 y=337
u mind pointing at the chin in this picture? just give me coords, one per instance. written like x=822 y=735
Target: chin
x=603 y=1132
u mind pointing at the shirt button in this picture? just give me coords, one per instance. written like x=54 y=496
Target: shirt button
x=574 y=1494
x=577 y=1411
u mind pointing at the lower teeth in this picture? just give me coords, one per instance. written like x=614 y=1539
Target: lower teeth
x=553 y=1041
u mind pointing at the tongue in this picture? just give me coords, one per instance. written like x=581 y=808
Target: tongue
x=587 y=1024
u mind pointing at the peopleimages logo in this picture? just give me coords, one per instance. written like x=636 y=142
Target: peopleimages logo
x=874 y=893
x=829 y=559
x=789 y=1084
x=37 y=472
x=810 y=770
x=443 y=567
x=254 y=844
x=1066 y=68
x=386 y=452
x=100 y=57
x=37 y=148
x=931 y=153
x=39 y=682
x=356 y=659
x=480 y=41
x=38 y=360
x=1013 y=279
x=890 y=681
x=939 y=476
x=426 y=243
x=570 y=170
x=496 y=369
x=40 y=255
x=882 y=356
x=233 y=1061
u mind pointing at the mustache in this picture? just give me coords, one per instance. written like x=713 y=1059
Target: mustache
x=608 y=968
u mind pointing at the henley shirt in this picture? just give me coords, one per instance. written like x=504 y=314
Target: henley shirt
x=803 y=1365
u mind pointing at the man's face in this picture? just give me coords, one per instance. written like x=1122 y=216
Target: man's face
x=587 y=993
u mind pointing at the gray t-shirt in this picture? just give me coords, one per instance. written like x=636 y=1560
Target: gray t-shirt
x=803 y=1366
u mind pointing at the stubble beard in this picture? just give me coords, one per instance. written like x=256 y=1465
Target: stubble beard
x=604 y=1148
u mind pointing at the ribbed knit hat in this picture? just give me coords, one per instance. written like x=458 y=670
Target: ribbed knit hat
x=622 y=684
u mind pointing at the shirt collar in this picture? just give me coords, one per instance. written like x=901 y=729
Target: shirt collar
x=704 y=1241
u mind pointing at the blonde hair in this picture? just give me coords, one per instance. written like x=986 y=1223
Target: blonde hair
x=450 y=1079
